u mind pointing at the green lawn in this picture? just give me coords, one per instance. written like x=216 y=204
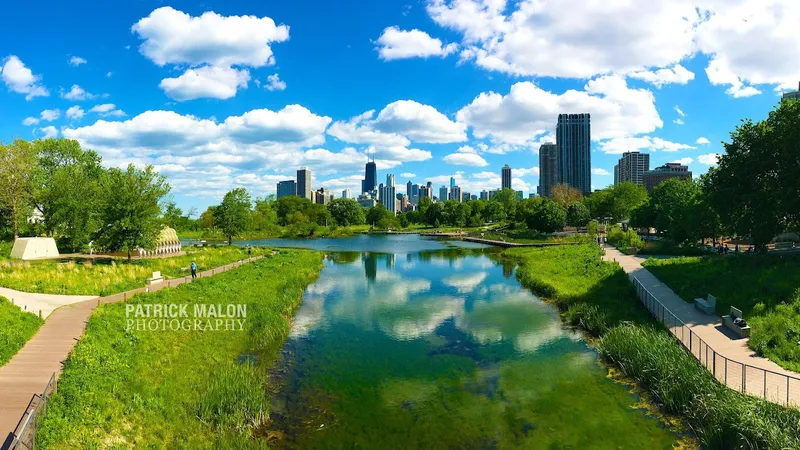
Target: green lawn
x=764 y=287
x=16 y=327
x=5 y=251
x=598 y=297
x=180 y=389
x=104 y=277
x=530 y=236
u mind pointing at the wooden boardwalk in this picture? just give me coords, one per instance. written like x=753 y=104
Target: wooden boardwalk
x=720 y=350
x=25 y=377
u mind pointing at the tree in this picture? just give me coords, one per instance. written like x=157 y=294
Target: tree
x=547 y=217
x=424 y=203
x=376 y=214
x=173 y=216
x=206 y=219
x=17 y=162
x=494 y=211
x=265 y=218
x=346 y=211
x=130 y=211
x=617 y=202
x=233 y=214
x=755 y=186
x=286 y=206
x=67 y=192
x=671 y=210
x=577 y=215
x=434 y=215
x=508 y=198
x=564 y=194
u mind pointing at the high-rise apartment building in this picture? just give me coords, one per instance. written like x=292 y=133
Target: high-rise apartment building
x=484 y=195
x=444 y=193
x=423 y=192
x=409 y=188
x=574 y=142
x=631 y=167
x=465 y=197
x=389 y=195
x=456 y=193
x=370 y=180
x=304 y=183
x=323 y=197
x=506 y=175
x=414 y=193
x=549 y=170
x=654 y=177
x=286 y=188
x=347 y=193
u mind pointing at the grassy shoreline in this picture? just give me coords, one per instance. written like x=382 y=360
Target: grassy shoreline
x=16 y=328
x=186 y=389
x=597 y=296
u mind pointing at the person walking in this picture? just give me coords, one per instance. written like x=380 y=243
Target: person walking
x=194 y=270
x=249 y=252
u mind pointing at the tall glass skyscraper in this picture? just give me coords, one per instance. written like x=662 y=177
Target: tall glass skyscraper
x=506 y=175
x=574 y=142
x=304 y=183
x=549 y=170
x=389 y=194
x=370 y=177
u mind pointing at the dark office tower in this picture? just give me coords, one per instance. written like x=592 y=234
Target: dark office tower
x=548 y=168
x=304 y=183
x=286 y=188
x=414 y=192
x=370 y=177
x=409 y=189
x=506 y=174
x=573 y=139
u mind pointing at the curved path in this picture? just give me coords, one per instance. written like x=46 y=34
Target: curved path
x=41 y=304
x=28 y=373
x=723 y=353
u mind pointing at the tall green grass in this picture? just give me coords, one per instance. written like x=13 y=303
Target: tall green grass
x=764 y=287
x=16 y=328
x=179 y=389
x=720 y=417
x=105 y=277
x=598 y=297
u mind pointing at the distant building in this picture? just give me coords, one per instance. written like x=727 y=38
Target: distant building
x=414 y=193
x=444 y=193
x=484 y=195
x=549 y=170
x=456 y=194
x=347 y=193
x=423 y=192
x=465 y=197
x=452 y=183
x=403 y=202
x=389 y=195
x=631 y=167
x=492 y=193
x=304 y=183
x=793 y=94
x=520 y=195
x=473 y=197
x=574 y=142
x=532 y=195
x=323 y=196
x=366 y=200
x=409 y=188
x=505 y=173
x=654 y=177
x=286 y=188
x=370 y=180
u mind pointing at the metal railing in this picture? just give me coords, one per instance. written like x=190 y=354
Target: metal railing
x=25 y=434
x=756 y=381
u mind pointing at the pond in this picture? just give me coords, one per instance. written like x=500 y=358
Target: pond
x=442 y=348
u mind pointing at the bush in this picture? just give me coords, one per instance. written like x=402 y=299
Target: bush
x=624 y=239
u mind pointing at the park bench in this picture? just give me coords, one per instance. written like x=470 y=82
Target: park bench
x=155 y=279
x=728 y=320
x=706 y=305
x=783 y=245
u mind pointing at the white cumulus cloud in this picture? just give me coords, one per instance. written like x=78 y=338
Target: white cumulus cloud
x=601 y=172
x=710 y=159
x=702 y=140
x=20 y=79
x=672 y=75
x=75 y=112
x=419 y=123
x=395 y=43
x=206 y=82
x=76 y=61
x=107 y=109
x=77 y=93
x=49 y=131
x=465 y=156
x=274 y=83
x=50 y=115
x=685 y=161
x=30 y=121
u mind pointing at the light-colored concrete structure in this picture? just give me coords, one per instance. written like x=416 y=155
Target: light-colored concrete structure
x=34 y=248
x=168 y=243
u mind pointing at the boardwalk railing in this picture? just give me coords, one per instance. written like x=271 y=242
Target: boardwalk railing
x=25 y=434
x=775 y=387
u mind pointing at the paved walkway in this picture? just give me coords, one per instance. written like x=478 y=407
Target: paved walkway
x=41 y=304
x=26 y=376
x=720 y=350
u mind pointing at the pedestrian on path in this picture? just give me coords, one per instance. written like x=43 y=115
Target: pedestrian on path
x=194 y=270
x=249 y=252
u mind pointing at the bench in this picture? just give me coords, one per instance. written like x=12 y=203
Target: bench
x=728 y=320
x=783 y=245
x=706 y=305
x=155 y=279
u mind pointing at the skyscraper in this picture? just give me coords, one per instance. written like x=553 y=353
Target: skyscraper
x=304 y=183
x=443 y=193
x=409 y=189
x=347 y=193
x=370 y=177
x=430 y=188
x=631 y=167
x=414 y=193
x=452 y=183
x=548 y=168
x=456 y=194
x=506 y=174
x=389 y=194
x=573 y=139
x=286 y=188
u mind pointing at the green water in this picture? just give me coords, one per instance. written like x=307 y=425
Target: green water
x=443 y=350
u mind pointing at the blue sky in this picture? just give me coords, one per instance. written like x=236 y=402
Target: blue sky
x=218 y=95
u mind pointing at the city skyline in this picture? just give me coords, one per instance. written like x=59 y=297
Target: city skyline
x=214 y=120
